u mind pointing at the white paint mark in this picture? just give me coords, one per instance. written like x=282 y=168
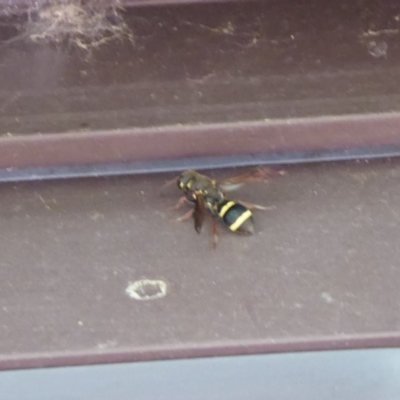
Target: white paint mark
x=110 y=344
x=80 y=323
x=327 y=297
x=378 y=49
x=94 y=216
x=146 y=289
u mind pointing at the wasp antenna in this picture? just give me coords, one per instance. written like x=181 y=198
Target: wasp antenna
x=168 y=184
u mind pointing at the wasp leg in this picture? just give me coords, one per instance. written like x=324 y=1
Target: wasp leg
x=179 y=204
x=252 y=206
x=215 y=232
x=184 y=216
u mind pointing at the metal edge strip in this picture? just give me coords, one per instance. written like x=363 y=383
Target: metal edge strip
x=225 y=144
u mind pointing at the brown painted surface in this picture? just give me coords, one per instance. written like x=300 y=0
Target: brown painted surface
x=320 y=272
x=204 y=80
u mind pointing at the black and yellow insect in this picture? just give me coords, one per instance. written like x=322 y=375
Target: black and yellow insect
x=209 y=195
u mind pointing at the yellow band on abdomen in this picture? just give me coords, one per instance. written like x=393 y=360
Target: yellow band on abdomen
x=225 y=208
x=245 y=216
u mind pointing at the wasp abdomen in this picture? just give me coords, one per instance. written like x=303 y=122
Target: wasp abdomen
x=236 y=216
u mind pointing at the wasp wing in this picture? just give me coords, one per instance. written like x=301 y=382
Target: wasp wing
x=199 y=211
x=260 y=174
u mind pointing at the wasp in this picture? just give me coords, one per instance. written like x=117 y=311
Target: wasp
x=210 y=196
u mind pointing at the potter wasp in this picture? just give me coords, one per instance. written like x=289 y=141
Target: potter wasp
x=209 y=196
